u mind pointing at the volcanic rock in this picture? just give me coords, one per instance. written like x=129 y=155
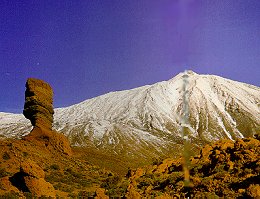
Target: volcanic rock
x=39 y=187
x=32 y=169
x=6 y=185
x=225 y=169
x=50 y=139
x=38 y=108
x=31 y=179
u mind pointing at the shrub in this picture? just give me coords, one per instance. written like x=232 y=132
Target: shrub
x=25 y=154
x=175 y=177
x=3 y=172
x=72 y=195
x=6 y=156
x=157 y=161
x=110 y=182
x=55 y=167
x=11 y=195
x=86 y=194
x=10 y=144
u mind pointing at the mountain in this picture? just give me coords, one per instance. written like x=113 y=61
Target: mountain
x=146 y=121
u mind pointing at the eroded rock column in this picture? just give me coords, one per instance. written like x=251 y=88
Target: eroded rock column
x=38 y=108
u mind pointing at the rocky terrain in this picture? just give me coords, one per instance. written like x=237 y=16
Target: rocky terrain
x=224 y=169
x=27 y=163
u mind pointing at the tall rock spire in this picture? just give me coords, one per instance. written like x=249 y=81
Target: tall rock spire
x=38 y=108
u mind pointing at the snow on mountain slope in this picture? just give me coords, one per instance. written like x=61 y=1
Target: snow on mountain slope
x=13 y=125
x=147 y=118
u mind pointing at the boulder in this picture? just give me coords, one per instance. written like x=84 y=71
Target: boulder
x=39 y=187
x=32 y=169
x=30 y=178
x=7 y=186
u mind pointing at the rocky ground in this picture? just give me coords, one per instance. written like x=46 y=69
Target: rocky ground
x=28 y=169
x=225 y=169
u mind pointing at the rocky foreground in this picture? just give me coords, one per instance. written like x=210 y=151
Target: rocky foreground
x=225 y=169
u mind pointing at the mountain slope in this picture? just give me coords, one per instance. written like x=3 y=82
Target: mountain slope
x=146 y=121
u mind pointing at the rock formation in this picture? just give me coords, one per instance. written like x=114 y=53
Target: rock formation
x=6 y=186
x=38 y=108
x=31 y=179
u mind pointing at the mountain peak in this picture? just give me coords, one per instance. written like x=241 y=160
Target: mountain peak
x=186 y=73
x=190 y=72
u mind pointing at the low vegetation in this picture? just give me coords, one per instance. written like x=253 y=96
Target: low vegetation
x=225 y=169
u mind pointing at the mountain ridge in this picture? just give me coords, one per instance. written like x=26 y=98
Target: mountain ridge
x=147 y=120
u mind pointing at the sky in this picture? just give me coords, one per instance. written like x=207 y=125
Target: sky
x=87 y=48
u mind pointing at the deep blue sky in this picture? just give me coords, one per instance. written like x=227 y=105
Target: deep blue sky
x=91 y=47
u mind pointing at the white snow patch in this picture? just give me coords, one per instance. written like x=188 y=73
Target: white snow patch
x=220 y=122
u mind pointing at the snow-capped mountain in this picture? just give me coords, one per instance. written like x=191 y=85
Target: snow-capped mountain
x=147 y=119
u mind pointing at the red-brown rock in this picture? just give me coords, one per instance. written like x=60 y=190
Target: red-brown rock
x=38 y=108
x=39 y=187
x=32 y=169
